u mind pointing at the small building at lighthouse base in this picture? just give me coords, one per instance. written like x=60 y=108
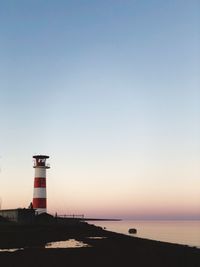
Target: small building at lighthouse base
x=19 y=215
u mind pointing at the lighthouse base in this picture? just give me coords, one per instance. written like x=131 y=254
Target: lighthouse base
x=40 y=211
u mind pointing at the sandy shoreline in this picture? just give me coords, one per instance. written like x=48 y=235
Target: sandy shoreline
x=113 y=250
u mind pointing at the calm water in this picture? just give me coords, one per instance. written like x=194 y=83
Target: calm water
x=181 y=232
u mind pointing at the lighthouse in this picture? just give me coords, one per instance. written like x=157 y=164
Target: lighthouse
x=39 y=193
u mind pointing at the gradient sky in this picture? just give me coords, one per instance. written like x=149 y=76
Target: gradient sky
x=110 y=90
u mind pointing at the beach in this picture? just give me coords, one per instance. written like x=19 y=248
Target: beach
x=104 y=248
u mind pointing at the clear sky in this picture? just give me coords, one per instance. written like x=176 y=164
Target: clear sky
x=110 y=90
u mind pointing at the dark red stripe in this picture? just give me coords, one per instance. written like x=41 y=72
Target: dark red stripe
x=39 y=203
x=39 y=182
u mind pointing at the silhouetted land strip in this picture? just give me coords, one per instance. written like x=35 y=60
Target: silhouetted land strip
x=114 y=250
x=101 y=219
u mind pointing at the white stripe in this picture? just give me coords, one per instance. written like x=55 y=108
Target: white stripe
x=39 y=192
x=40 y=172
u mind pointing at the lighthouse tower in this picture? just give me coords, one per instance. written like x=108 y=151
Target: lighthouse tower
x=39 y=194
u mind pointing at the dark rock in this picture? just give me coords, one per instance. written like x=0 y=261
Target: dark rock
x=132 y=231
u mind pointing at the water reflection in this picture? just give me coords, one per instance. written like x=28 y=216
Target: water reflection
x=10 y=249
x=70 y=243
x=97 y=237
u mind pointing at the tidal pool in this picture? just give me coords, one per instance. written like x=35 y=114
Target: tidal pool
x=70 y=243
x=97 y=237
x=10 y=249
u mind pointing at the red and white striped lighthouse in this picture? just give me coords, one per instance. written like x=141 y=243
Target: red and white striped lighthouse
x=39 y=194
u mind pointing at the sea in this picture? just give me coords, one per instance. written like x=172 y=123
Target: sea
x=179 y=232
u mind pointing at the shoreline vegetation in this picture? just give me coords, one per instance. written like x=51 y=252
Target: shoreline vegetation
x=113 y=249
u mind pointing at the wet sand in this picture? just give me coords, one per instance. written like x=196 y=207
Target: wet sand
x=113 y=250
